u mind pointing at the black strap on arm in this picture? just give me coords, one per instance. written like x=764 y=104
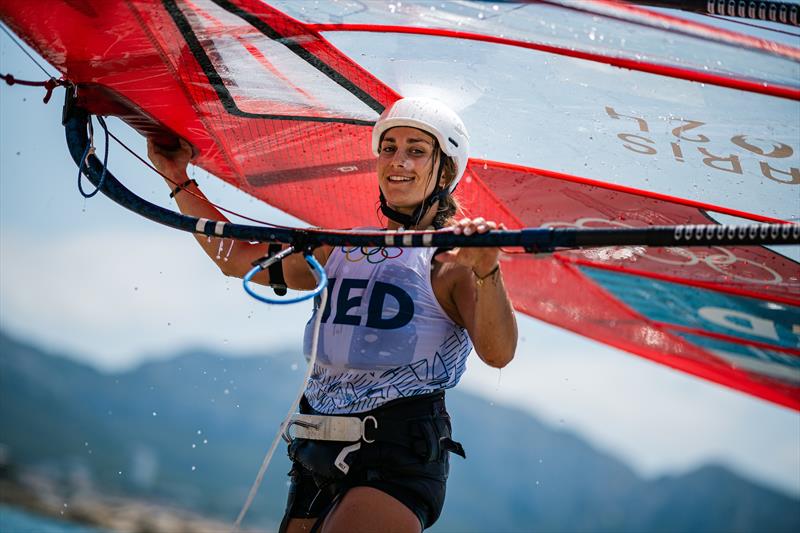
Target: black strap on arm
x=276 y=279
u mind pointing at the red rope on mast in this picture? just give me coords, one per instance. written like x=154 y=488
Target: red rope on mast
x=49 y=85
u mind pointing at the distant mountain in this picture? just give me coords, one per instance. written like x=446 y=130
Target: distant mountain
x=192 y=430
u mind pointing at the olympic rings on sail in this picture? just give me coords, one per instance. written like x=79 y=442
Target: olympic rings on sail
x=720 y=262
x=373 y=256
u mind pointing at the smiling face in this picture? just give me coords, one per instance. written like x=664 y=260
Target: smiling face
x=407 y=167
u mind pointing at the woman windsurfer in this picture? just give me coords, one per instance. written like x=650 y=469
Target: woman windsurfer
x=395 y=333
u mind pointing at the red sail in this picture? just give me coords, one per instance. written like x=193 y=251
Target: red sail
x=282 y=109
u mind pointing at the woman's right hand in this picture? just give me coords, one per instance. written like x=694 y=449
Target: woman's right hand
x=170 y=162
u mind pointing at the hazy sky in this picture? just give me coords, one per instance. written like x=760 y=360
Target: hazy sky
x=89 y=278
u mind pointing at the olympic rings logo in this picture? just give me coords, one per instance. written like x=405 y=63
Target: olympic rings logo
x=376 y=255
x=722 y=262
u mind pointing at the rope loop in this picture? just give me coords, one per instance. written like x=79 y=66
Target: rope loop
x=317 y=269
x=90 y=150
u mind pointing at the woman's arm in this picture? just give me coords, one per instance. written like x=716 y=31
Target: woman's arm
x=233 y=257
x=479 y=296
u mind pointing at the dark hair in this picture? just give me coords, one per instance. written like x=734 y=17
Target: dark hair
x=448 y=206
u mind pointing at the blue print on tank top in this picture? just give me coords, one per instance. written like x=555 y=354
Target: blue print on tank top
x=388 y=319
x=390 y=313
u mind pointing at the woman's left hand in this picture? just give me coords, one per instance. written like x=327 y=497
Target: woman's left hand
x=484 y=309
x=481 y=260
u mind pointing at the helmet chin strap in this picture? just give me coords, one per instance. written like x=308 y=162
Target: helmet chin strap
x=409 y=221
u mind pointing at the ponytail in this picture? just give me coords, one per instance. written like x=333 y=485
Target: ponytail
x=448 y=206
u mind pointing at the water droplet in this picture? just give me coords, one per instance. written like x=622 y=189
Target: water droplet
x=155 y=413
x=194 y=468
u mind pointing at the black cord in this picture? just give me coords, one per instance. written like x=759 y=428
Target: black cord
x=16 y=41
x=154 y=169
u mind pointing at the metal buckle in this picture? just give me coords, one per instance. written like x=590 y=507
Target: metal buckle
x=364 y=427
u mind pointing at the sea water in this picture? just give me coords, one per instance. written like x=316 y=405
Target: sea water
x=13 y=520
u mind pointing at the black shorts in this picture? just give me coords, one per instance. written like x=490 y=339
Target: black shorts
x=409 y=460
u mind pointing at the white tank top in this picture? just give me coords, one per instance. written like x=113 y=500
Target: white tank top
x=383 y=333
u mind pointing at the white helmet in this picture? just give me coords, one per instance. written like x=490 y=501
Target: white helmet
x=430 y=116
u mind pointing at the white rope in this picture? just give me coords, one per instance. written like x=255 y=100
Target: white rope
x=292 y=410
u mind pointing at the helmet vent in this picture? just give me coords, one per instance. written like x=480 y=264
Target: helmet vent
x=452 y=141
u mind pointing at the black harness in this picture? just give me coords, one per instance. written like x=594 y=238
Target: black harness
x=419 y=425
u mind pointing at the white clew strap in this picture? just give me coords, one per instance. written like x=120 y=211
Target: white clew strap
x=332 y=428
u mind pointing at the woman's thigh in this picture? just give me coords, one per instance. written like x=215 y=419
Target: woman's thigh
x=366 y=509
x=300 y=525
